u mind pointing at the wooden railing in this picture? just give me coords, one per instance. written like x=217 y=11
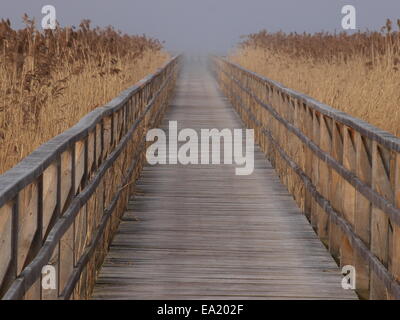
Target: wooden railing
x=343 y=173
x=60 y=206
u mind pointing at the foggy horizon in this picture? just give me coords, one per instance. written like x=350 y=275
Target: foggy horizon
x=207 y=26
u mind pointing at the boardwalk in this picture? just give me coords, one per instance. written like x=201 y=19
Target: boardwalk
x=201 y=232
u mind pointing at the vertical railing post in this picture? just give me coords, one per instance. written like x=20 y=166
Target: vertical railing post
x=68 y=183
x=336 y=191
x=362 y=217
x=324 y=181
x=395 y=261
x=308 y=168
x=28 y=231
x=349 y=195
x=381 y=183
x=315 y=172
x=8 y=239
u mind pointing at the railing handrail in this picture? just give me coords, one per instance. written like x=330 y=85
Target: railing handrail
x=370 y=194
x=379 y=135
x=32 y=166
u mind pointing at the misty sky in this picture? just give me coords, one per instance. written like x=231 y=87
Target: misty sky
x=206 y=25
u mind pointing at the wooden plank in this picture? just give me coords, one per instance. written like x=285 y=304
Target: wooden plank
x=349 y=195
x=66 y=178
x=379 y=219
x=362 y=220
x=27 y=223
x=315 y=209
x=324 y=174
x=335 y=233
x=394 y=265
x=49 y=195
x=91 y=152
x=308 y=159
x=396 y=228
x=81 y=233
x=99 y=144
x=79 y=163
x=34 y=292
x=66 y=258
x=107 y=135
x=5 y=239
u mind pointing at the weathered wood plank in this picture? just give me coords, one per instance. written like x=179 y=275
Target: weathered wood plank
x=379 y=220
x=27 y=223
x=5 y=239
x=49 y=195
x=362 y=218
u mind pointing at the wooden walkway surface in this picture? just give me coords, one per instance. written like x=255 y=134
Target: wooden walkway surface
x=201 y=232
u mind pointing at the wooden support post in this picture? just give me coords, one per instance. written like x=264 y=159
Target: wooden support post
x=107 y=135
x=362 y=218
x=81 y=231
x=115 y=127
x=79 y=163
x=99 y=145
x=66 y=257
x=315 y=171
x=308 y=130
x=50 y=181
x=66 y=178
x=34 y=292
x=27 y=223
x=5 y=240
x=324 y=180
x=349 y=192
x=91 y=152
x=335 y=233
x=379 y=220
x=396 y=227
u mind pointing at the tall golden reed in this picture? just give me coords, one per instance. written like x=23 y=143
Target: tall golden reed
x=49 y=80
x=358 y=73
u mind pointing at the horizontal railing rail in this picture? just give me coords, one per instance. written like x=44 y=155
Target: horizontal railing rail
x=343 y=172
x=60 y=206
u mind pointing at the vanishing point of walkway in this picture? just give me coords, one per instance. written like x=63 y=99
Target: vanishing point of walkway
x=201 y=232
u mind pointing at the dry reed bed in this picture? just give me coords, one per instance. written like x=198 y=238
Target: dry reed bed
x=49 y=80
x=358 y=73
